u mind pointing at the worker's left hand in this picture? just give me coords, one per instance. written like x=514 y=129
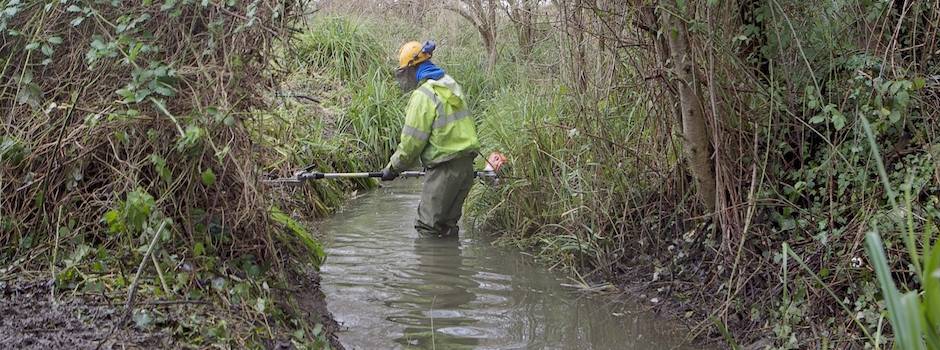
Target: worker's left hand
x=388 y=174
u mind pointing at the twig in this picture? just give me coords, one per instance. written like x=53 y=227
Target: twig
x=129 y=307
x=156 y=265
x=163 y=302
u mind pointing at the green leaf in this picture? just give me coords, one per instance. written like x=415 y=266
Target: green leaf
x=932 y=282
x=162 y=88
x=838 y=120
x=298 y=334
x=902 y=98
x=159 y=165
x=54 y=40
x=208 y=178
x=142 y=319
x=47 y=50
x=114 y=221
x=895 y=87
x=819 y=118
x=895 y=116
x=912 y=319
x=199 y=249
x=260 y=305
x=31 y=46
x=317 y=329
x=73 y=8
x=889 y=290
x=919 y=83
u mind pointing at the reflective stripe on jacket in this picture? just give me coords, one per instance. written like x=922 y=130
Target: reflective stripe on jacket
x=438 y=126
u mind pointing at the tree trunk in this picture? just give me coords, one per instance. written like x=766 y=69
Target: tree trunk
x=522 y=14
x=490 y=39
x=694 y=129
x=489 y=43
x=482 y=14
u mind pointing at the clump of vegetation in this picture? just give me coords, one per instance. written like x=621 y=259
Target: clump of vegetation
x=127 y=124
x=350 y=68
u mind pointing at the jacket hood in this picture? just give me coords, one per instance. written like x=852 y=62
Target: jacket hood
x=448 y=82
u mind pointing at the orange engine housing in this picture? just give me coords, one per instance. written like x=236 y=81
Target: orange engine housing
x=495 y=161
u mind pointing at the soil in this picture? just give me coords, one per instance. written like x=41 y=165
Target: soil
x=311 y=303
x=31 y=321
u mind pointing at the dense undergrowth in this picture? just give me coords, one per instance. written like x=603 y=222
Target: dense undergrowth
x=603 y=187
x=153 y=122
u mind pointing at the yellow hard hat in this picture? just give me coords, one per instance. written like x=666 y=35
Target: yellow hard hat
x=413 y=52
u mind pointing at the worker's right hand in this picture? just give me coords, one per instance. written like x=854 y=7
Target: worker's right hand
x=388 y=174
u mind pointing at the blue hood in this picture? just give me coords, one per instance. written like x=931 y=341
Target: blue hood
x=428 y=70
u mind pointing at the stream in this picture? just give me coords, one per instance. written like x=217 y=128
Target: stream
x=390 y=289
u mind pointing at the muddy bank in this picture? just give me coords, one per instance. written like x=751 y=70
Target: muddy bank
x=32 y=319
x=308 y=300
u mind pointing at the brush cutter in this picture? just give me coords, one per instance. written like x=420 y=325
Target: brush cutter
x=493 y=163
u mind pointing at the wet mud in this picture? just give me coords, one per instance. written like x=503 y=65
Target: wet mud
x=30 y=320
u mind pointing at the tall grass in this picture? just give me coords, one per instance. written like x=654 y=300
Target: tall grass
x=341 y=47
x=352 y=57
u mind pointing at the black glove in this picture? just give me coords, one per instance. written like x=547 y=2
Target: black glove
x=388 y=174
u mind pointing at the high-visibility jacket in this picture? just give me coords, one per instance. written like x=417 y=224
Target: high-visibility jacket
x=438 y=126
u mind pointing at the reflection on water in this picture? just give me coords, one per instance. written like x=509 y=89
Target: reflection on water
x=392 y=289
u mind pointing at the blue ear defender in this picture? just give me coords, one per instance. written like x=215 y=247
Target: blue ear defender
x=428 y=47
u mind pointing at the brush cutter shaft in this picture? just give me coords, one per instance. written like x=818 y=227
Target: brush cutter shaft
x=317 y=176
x=302 y=176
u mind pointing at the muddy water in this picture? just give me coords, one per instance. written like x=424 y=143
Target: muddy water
x=393 y=290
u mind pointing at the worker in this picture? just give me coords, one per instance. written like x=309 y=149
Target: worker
x=439 y=131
